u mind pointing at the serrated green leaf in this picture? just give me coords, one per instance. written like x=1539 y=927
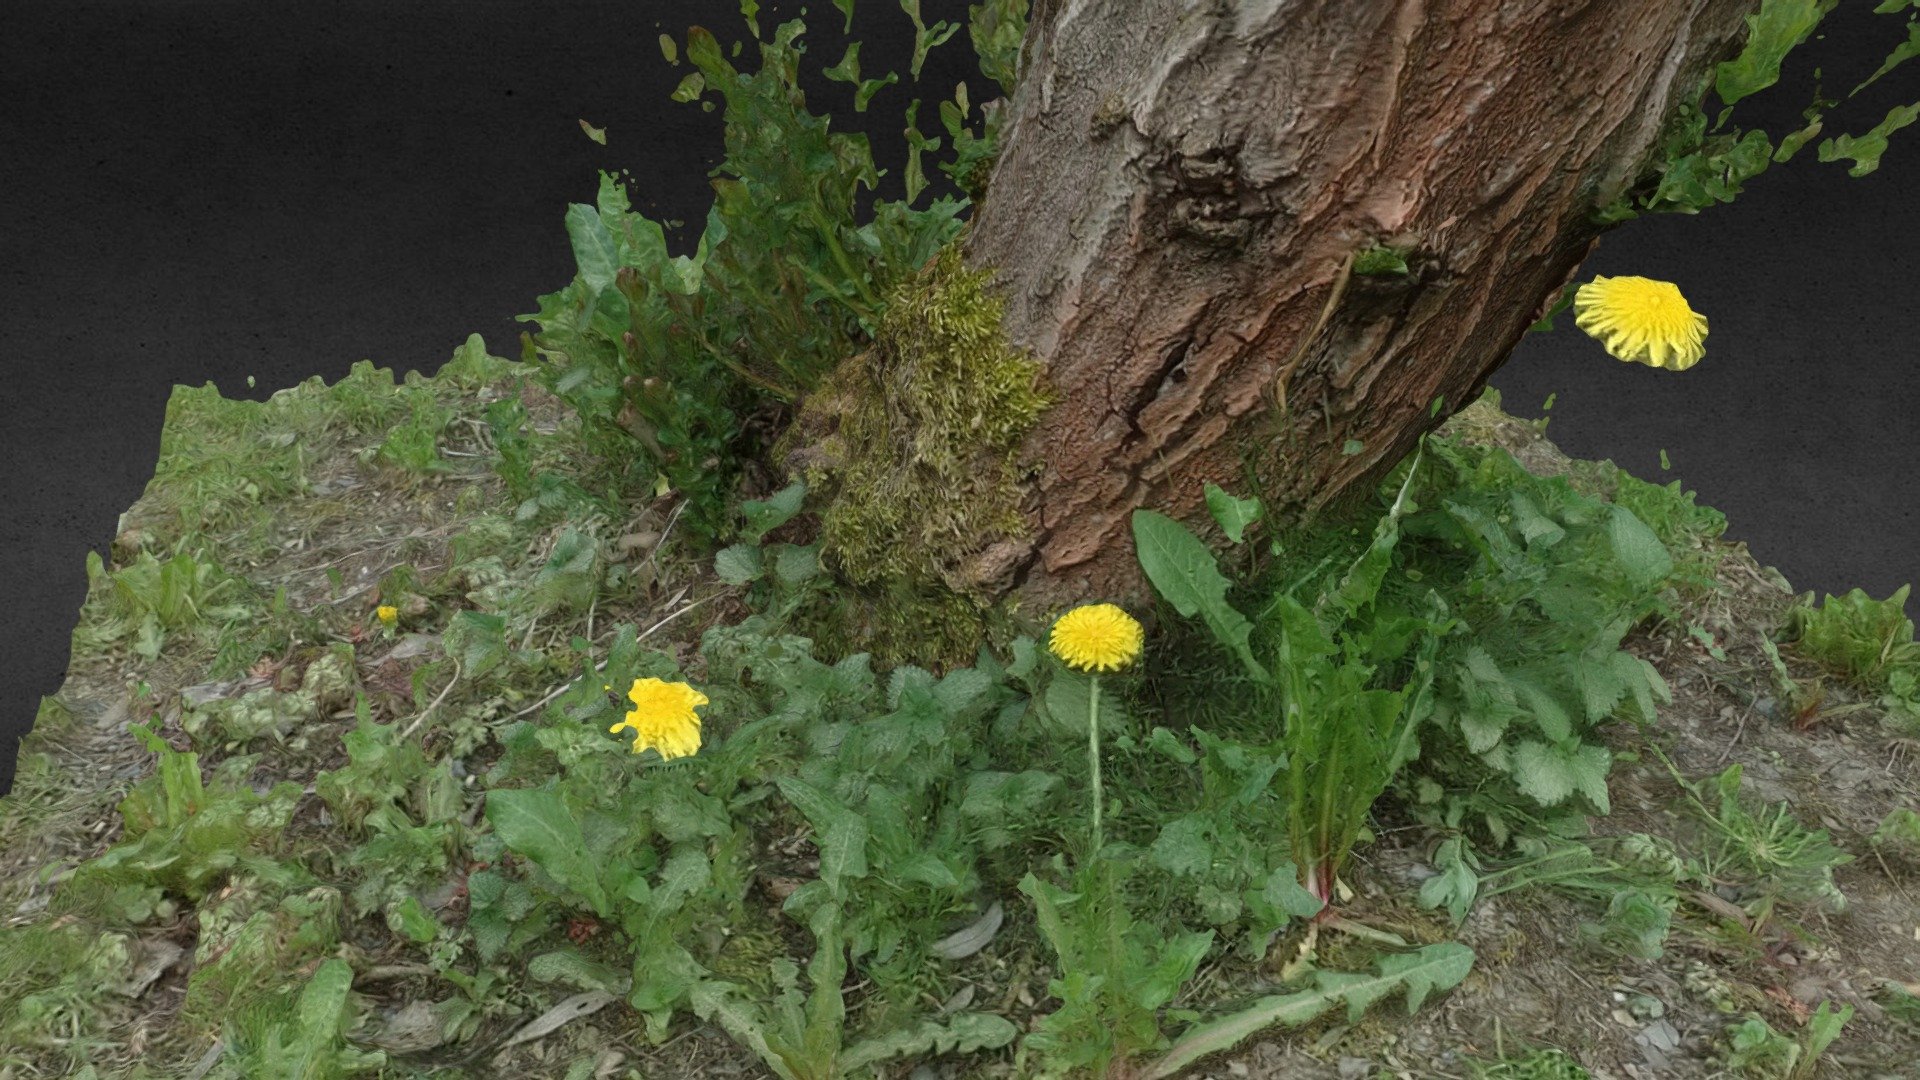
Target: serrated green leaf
x=795 y=563
x=1551 y=774
x=1435 y=967
x=738 y=565
x=536 y=823
x=962 y=1034
x=839 y=833
x=1185 y=574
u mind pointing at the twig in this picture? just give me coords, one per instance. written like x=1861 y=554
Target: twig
x=428 y=711
x=601 y=666
x=1737 y=732
x=1312 y=335
x=207 y=1060
x=396 y=971
x=666 y=531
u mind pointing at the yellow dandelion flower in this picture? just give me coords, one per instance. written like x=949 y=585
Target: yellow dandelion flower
x=387 y=614
x=1642 y=321
x=662 y=717
x=1096 y=637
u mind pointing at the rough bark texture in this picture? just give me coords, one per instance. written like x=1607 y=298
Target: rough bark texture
x=1183 y=185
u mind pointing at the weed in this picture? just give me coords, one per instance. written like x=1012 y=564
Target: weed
x=1869 y=642
x=1768 y=848
x=1755 y=1049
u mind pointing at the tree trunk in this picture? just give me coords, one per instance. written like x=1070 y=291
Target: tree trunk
x=1182 y=189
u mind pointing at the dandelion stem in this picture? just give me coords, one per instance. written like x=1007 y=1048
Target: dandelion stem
x=1093 y=753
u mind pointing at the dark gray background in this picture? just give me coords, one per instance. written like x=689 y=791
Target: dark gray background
x=200 y=191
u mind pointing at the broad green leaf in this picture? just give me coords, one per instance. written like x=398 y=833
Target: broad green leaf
x=1182 y=848
x=1185 y=574
x=1233 y=514
x=322 y=1008
x=1047 y=900
x=1642 y=556
x=1379 y=261
x=686 y=872
x=765 y=515
x=593 y=247
x=839 y=833
x=536 y=823
x=1550 y=774
x=795 y=563
x=1283 y=894
x=926 y=868
x=410 y=918
x=738 y=565
x=1180 y=957
x=1824 y=1027
x=1773 y=31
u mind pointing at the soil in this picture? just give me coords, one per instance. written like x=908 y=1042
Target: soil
x=1533 y=985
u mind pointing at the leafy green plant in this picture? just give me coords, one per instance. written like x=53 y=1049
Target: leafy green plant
x=781 y=578
x=306 y=1041
x=151 y=599
x=1550 y=581
x=1766 y=847
x=412 y=446
x=1700 y=164
x=184 y=835
x=1869 y=642
x=1755 y=1049
x=1899 y=835
x=1634 y=884
x=1343 y=739
x=1115 y=973
x=667 y=354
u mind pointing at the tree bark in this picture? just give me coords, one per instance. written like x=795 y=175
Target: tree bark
x=1182 y=188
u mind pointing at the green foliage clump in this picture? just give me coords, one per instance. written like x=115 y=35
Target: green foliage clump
x=918 y=451
x=667 y=355
x=185 y=596
x=1755 y=1049
x=185 y=836
x=1766 y=846
x=52 y=974
x=1698 y=164
x=1869 y=642
x=1545 y=583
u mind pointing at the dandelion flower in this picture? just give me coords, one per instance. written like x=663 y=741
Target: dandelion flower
x=662 y=717
x=1641 y=320
x=387 y=614
x=1096 y=637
